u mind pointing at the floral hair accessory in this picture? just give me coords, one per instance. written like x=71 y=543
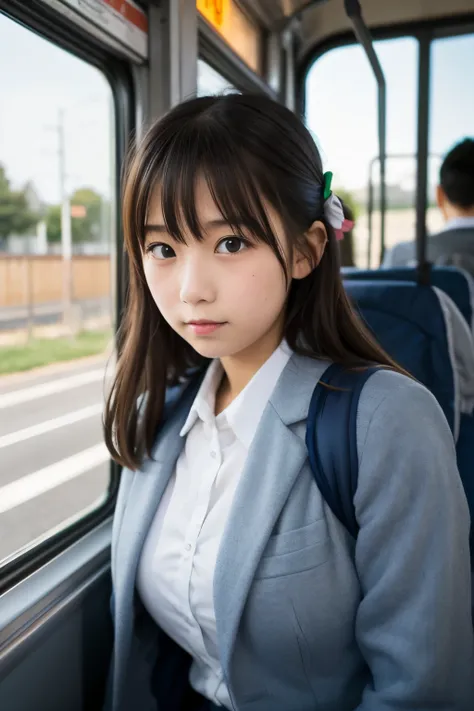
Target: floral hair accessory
x=333 y=210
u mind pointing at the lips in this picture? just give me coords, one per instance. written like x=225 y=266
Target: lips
x=204 y=328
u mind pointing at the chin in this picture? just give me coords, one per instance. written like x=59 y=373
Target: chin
x=218 y=345
x=212 y=346
x=209 y=349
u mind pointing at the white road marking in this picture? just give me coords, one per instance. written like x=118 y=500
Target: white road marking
x=50 y=425
x=28 y=487
x=17 y=397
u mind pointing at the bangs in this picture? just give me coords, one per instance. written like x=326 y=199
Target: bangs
x=235 y=179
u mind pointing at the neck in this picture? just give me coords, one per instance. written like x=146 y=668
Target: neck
x=240 y=368
x=452 y=212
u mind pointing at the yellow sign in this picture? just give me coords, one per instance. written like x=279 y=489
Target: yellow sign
x=215 y=11
x=235 y=27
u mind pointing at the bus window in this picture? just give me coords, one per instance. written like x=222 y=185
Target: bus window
x=209 y=81
x=451 y=106
x=342 y=114
x=56 y=265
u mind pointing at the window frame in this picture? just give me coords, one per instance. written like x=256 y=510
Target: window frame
x=54 y=28
x=425 y=33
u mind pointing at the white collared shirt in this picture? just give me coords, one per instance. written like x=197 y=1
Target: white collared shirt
x=458 y=223
x=176 y=567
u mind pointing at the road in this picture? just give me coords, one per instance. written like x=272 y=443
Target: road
x=53 y=463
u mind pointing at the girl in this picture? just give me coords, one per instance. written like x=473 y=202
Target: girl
x=235 y=587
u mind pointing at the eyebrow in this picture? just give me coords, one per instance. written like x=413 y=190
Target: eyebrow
x=219 y=222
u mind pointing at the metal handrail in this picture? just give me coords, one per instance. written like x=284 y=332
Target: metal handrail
x=363 y=36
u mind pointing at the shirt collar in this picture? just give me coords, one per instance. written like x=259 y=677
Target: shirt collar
x=457 y=223
x=244 y=413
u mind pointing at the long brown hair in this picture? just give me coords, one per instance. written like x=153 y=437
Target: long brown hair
x=250 y=150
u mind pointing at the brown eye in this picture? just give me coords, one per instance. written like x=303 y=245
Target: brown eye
x=158 y=250
x=231 y=245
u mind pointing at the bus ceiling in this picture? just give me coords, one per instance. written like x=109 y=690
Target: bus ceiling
x=324 y=21
x=275 y=15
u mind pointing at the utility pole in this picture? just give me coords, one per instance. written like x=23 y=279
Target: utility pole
x=66 y=231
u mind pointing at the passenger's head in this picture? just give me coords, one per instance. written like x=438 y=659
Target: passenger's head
x=455 y=193
x=224 y=221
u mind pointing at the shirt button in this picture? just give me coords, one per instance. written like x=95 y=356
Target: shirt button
x=188 y=546
x=213 y=454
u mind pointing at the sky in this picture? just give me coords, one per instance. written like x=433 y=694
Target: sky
x=39 y=80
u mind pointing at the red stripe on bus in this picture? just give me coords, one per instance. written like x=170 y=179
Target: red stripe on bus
x=131 y=13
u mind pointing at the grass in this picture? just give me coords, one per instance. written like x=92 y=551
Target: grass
x=40 y=352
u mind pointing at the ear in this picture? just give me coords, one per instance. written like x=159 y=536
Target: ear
x=441 y=200
x=439 y=196
x=316 y=238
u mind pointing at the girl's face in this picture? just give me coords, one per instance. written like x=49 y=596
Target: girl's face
x=235 y=288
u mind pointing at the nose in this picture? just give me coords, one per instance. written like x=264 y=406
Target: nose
x=196 y=282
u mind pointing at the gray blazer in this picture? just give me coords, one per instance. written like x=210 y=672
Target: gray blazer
x=454 y=247
x=307 y=618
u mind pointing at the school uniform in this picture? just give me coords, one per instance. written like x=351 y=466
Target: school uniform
x=235 y=587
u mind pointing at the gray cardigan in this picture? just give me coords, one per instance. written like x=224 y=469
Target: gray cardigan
x=308 y=619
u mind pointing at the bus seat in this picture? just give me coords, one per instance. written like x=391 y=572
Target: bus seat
x=424 y=331
x=455 y=282
x=462 y=344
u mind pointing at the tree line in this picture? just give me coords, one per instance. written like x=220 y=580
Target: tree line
x=18 y=218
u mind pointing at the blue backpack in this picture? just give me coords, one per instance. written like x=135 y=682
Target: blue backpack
x=331 y=439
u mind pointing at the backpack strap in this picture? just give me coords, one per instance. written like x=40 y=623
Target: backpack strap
x=331 y=439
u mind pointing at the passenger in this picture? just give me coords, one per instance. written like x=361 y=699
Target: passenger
x=235 y=586
x=454 y=244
